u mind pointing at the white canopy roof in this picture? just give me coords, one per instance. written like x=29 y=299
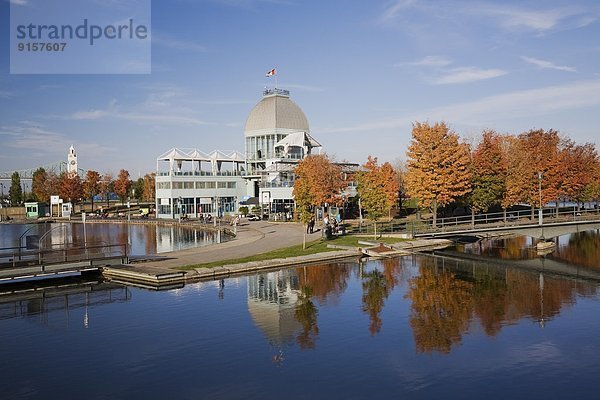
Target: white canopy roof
x=299 y=139
x=176 y=154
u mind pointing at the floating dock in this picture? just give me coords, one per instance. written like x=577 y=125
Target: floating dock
x=155 y=278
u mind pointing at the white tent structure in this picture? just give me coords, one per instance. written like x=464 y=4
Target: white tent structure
x=296 y=145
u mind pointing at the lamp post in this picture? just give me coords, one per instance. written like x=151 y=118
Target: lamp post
x=179 y=208
x=541 y=214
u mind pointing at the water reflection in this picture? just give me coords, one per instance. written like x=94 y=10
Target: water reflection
x=578 y=249
x=449 y=298
x=142 y=239
x=51 y=303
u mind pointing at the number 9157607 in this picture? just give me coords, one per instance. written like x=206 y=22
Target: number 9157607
x=41 y=46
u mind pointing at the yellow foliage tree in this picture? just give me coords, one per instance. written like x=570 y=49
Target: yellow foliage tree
x=438 y=166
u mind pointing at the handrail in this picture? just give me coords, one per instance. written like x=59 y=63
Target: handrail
x=67 y=254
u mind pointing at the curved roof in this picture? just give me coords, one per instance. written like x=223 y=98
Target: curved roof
x=276 y=111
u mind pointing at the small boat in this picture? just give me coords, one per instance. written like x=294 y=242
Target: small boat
x=544 y=245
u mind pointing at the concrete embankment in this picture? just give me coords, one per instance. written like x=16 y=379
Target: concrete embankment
x=255 y=239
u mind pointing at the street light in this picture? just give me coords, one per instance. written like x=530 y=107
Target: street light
x=541 y=214
x=179 y=200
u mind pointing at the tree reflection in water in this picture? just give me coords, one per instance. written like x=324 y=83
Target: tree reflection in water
x=448 y=298
x=306 y=315
x=441 y=307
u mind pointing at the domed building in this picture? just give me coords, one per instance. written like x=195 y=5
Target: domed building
x=195 y=184
x=271 y=120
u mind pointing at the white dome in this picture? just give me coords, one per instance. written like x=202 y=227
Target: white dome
x=276 y=111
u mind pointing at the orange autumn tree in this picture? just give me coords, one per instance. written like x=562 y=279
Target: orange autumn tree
x=318 y=182
x=149 y=192
x=378 y=189
x=91 y=185
x=438 y=166
x=489 y=167
x=572 y=172
x=122 y=185
x=69 y=186
x=533 y=153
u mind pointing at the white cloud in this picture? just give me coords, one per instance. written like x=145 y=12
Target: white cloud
x=429 y=61
x=139 y=117
x=547 y=64
x=467 y=75
x=395 y=8
x=37 y=140
x=164 y=105
x=537 y=20
x=510 y=18
x=494 y=109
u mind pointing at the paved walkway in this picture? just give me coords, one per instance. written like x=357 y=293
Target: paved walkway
x=253 y=237
x=256 y=238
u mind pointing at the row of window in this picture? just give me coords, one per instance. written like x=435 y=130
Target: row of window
x=197 y=185
x=261 y=147
x=198 y=205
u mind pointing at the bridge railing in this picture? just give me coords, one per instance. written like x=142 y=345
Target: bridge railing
x=467 y=222
x=15 y=257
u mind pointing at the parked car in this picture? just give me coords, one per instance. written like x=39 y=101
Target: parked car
x=252 y=217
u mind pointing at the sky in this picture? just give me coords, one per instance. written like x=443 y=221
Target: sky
x=362 y=71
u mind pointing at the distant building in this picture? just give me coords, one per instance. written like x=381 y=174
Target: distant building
x=72 y=161
x=277 y=137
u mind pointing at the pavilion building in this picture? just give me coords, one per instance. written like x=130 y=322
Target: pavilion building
x=277 y=137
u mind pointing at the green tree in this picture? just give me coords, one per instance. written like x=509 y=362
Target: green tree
x=138 y=189
x=438 y=169
x=39 y=185
x=15 y=193
x=106 y=187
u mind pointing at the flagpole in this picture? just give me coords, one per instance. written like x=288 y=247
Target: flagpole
x=275 y=77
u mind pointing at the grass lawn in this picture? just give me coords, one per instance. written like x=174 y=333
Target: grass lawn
x=317 y=246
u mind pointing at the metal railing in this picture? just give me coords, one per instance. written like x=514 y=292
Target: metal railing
x=479 y=221
x=15 y=256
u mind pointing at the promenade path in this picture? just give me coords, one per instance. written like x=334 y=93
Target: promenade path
x=252 y=238
x=255 y=237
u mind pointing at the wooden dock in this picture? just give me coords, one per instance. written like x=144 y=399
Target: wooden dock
x=153 y=278
x=37 y=270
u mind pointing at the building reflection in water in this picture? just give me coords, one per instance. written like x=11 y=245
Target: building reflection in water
x=52 y=303
x=272 y=299
x=449 y=298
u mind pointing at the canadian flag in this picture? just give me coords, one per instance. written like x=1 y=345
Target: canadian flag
x=271 y=72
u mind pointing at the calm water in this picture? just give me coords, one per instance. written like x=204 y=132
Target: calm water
x=415 y=327
x=142 y=239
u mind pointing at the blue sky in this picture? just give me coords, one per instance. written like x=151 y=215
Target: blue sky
x=362 y=71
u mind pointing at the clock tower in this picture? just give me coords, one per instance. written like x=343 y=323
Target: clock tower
x=72 y=161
